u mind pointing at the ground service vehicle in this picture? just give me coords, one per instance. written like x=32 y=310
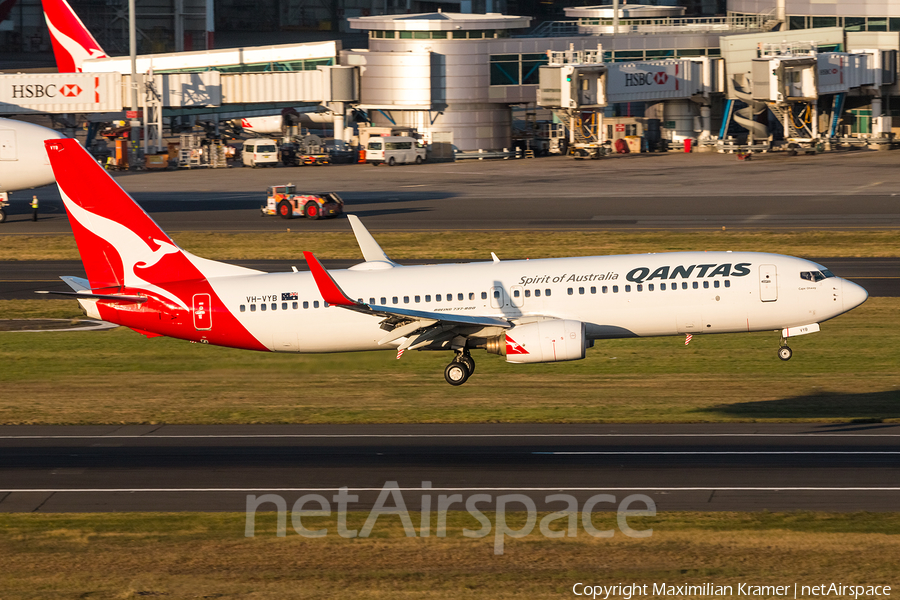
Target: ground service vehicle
x=394 y=149
x=284 y=201
x=260 y=152
x=528 y=311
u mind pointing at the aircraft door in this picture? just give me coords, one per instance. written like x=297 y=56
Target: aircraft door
x=768 y=283
x=517 y=296
x=202 y=312
x=7 y=144
x=497 y=299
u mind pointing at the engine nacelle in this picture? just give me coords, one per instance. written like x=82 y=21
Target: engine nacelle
x=543 y=341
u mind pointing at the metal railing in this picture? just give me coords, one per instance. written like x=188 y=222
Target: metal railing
x=590 y=26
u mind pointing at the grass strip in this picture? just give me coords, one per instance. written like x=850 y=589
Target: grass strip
x=476 y=245
x=846 y=372
x=189 y=555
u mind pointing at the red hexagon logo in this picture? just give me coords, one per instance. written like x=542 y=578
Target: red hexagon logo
x=70 y=90
x=661 y=77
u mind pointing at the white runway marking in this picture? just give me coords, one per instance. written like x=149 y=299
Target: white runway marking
x=457 y=489
x=706 y=453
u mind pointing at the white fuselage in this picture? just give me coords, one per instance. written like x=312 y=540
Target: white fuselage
x=23 y=159
x=615 y=296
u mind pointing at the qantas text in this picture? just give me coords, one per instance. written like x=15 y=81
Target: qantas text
x=642 y=274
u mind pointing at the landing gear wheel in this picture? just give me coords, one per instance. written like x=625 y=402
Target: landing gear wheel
x=312 y=210
x=469 y=362
x=418 y=160
x=456 y=373
x=785 y=353
x=391 y=162
x=285 y=210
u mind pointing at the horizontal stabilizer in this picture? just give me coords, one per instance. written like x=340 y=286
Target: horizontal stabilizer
x=114 y=297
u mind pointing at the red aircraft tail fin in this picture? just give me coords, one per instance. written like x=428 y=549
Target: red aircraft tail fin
x=72 y=42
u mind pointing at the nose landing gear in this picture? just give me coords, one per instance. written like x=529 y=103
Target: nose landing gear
x=784 y=353
x=459 y=371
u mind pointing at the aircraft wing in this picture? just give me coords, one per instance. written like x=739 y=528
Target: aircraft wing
x=419 y=326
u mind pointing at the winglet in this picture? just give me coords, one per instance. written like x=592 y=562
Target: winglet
x=371 y=251
x=331 y=292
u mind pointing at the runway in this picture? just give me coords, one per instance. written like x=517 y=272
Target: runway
x=708 y=467
x=20 y=279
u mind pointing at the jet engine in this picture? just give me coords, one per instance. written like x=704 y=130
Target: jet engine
x=544 y=341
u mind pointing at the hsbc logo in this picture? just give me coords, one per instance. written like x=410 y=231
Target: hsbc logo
x=70 y=90
x=641 y=79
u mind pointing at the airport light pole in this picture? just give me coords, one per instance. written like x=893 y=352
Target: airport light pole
x=135 y=121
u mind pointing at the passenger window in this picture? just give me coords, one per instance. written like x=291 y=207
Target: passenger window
x=640 y=287
x=516 y=293
x=449 y=297
x=405 y=299
x=274 y=306
x=418 y=299
x=695 y=285
x=371 y=300
x=537 y=292
x=571 y=291
x=460 y=297
x=662 y=287
x=252 y=308
x=604 y=289
x=243 y=308
x=471 y=295
x=716 y=283
x=547 y=292
x=615 y=289
x=650 y=287
x=497 y=294
x=305 y=304
x=294 y=305
x=581 y=290
x=427 y=297
x=284 y=306
x=528 y=293
x=396 y=300
x=315 y=304
x=727 y=283
x=706 y=285
x=262 y=307
x=684 y=285
x=484 y=295
x=627 y=288
x=383 y=300
x=593 y=290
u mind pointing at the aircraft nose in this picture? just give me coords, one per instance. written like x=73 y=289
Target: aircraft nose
x=853 y=294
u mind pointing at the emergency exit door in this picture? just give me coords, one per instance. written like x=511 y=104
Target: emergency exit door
x=202 y=312
x=8 y=144
x=768 y=283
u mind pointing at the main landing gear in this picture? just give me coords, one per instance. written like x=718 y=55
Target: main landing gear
x=462 y=367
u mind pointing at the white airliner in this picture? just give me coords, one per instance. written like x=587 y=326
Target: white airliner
x=23 y=158
x=529 y=311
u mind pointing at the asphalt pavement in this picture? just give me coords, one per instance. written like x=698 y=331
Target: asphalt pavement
x=717 y=467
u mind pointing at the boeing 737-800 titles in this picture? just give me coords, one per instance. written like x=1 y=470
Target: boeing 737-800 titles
x=529 y=311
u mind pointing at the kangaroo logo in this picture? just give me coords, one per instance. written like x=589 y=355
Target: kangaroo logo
x=78 y=52
x=134 y=251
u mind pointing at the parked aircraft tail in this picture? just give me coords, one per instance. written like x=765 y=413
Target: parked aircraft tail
x=72 y=42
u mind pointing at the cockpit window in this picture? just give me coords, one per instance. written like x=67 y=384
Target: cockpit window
x=816 y=275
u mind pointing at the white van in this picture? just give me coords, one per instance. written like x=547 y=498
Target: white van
x=394 y=149
x=259 y=152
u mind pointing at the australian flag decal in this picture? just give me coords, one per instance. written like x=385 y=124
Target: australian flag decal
x=288 y=295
